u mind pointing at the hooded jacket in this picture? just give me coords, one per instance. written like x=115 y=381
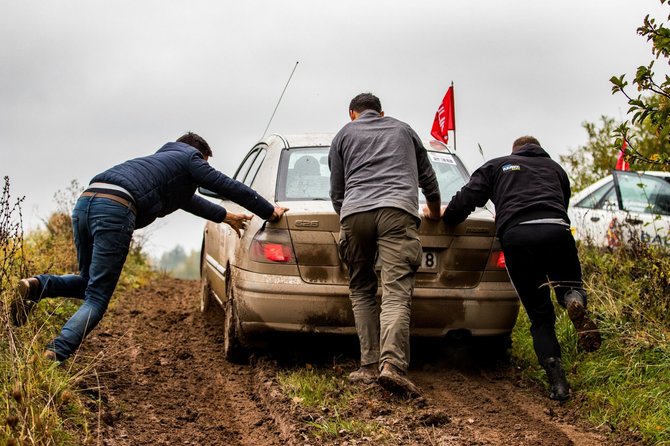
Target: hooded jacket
x=167 y=180
x=526 y=185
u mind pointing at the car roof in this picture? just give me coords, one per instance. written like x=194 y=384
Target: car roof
x=324 y=140
x=304 y=139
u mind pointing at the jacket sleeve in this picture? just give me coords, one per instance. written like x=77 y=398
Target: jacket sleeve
x=565 y=184
x=336 y=174
x=205 y=209
x=474 y=194
x=205 y=175
x=427 y=178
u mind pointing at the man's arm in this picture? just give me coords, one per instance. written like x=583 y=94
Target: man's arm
x=205 y=209
x=205 y=175
x=336 y=175
x=427 y=178
x=474 y=194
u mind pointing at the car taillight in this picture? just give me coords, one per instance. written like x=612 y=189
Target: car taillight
x=497 y=260
x=276 y=252
x=272 y=245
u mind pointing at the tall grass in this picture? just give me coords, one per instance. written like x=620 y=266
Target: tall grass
x=41 y=403
x=626 y=384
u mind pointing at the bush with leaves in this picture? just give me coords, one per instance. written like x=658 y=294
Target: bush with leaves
x=651 y=106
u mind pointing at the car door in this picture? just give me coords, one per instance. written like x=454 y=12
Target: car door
x=644 y=208
x=220 y=239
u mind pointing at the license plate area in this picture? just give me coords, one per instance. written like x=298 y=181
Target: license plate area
x=429 y=262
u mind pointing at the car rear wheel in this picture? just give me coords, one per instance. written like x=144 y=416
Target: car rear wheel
x=233 y=350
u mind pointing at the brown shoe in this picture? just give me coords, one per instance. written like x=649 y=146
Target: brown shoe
x=587 y=331
x=28 y=294
x=30 y=289
x=395 y=380
x=366 y=374
x=50 y=355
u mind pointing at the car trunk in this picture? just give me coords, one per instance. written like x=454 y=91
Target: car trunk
x=454 y=257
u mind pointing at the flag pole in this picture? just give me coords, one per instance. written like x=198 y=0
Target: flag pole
x=453 y=100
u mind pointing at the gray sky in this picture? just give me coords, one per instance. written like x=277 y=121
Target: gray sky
x=87 y=84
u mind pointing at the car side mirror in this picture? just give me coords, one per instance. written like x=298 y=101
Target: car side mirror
x=209 y=193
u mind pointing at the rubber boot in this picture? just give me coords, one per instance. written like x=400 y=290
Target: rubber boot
x=560 y=390
x=588 y=335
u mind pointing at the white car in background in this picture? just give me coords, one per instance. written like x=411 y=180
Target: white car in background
x=624 y=206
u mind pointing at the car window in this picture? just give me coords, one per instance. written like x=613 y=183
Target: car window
x=253 y=170
x=304 y=174
x=451 y=175
x=602 y=198
x=242 y=171
x=643 y=193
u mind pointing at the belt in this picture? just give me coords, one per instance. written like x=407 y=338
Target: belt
x=127 y=203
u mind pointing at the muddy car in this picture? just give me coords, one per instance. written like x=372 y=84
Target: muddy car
x=287 y=276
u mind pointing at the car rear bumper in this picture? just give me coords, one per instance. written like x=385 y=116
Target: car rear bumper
x=286 y=303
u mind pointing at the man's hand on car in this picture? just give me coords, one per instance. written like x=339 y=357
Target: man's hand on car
x=237 y=221
x=277 y=214
x=432 y=211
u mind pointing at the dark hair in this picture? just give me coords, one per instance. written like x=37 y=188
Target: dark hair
x=520 y=142
x=365 y=101
x=197 y=142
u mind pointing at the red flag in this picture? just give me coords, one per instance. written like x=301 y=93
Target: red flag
x=621 y=163
x=445 y=118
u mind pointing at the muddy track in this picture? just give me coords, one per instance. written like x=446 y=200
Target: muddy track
x=163 y=381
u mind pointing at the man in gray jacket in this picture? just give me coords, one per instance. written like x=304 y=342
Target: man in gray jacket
x=377 y=165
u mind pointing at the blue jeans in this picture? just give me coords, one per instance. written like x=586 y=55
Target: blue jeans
x=103 y=230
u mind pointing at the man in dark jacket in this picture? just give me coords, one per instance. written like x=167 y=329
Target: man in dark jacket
x=126 y=197
x=531 y=193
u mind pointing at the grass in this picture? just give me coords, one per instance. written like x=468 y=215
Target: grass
x=42 y=403
x=326 y=392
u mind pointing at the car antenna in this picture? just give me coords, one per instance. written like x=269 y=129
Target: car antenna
x=280 y=97
x=481 y=151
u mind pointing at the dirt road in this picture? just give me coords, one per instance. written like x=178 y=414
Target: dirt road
x=164 y=381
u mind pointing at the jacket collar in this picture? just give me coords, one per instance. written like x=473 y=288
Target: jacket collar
x=531 y=150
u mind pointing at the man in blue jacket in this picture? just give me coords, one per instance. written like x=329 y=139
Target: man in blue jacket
x=126 y=197
x=531 y=193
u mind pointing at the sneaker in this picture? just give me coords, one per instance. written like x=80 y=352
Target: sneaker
x=395 y=380
x=366 y=374
x=28 y=294
x=587 y=331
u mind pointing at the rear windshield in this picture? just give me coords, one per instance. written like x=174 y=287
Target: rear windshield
x=304 y=174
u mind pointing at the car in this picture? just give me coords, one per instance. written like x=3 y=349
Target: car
x=623 y=207
x=288 y=277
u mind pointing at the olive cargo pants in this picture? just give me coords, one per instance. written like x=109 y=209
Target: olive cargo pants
x=393 y=235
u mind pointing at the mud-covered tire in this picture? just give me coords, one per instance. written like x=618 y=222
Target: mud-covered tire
x=233 y=350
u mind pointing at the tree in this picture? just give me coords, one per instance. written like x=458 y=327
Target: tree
x=595 y=159
x=651 y=107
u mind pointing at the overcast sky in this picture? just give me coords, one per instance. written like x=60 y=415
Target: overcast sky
x=86 y=84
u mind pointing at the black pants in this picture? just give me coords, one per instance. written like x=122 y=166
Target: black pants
x=540 y=256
